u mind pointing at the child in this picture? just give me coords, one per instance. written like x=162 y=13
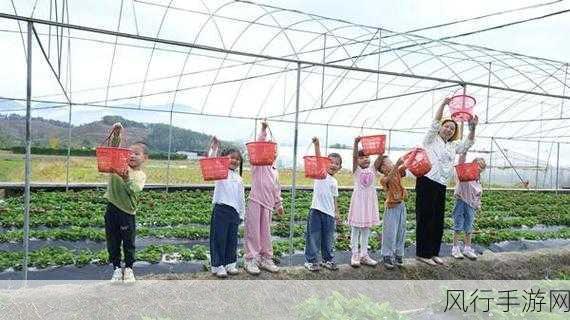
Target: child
x=229 y=209
x=120 y=226
x=322 y=216
x=467 y=201
x=394 y=221
x=264 y=197
x=363 y=211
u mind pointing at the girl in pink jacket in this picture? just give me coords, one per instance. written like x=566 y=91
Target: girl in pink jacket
x=264 y=198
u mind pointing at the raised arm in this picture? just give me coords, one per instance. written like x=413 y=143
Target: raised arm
x=262 y=136
x=317 y=146
x=355 y=154
x=463 y=146
x=462 y=158
x=439 y=111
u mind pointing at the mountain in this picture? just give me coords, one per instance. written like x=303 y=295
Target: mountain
x=52 y=133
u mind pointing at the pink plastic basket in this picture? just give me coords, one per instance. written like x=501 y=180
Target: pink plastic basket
x=461 y=107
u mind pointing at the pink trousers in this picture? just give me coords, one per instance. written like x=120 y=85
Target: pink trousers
x=257 y=232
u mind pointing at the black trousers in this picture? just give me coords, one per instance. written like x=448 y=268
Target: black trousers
x=120 y=228
x=223 y=235
x=430 y=210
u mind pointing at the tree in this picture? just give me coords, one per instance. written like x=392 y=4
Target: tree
x=54 y=143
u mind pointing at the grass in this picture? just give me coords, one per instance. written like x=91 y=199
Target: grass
x=83 y=170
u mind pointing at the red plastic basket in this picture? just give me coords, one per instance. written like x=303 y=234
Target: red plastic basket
x=467 y=171
x=461 y=107
x=417 y=161
x=373 y=144
x=316 y=167
x=214 y=168
x=109 y=158
x=261 y=153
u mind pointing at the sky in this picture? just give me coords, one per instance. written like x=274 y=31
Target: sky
x=545 y=38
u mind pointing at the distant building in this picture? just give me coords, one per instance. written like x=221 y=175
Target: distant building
x=189 y=155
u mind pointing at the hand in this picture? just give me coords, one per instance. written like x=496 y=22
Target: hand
x=315 y=140
x=279 y=212
x=446 y=101
x=473 y=122
x=357 y=139
x=123 y=174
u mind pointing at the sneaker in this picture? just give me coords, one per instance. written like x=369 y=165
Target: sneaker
x=232 y=269
x=268 y=265
x=214 y=270
x=387 y=262
x=129 y=276
x=117 y=276
x=399 y=260
x=355 y=261
x=456 y=252
x=312 y=266
x=251 y=267
x=222 y=273
x=331 y=265
x=470 y=253
x=367 y=261
x=439 y=261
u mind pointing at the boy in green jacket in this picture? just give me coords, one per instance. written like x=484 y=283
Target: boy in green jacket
x=120 y=227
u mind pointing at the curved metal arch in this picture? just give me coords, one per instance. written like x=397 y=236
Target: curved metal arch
x=179 y=80
x=516 y=133
x=453 y=49
x=412 y=104
x=267 y=44
x=477 y=90
x=398 y=57
x=270 y=13
x=211 y=18
x=430 y=58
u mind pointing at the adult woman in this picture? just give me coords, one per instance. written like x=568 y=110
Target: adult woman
x=441 y=145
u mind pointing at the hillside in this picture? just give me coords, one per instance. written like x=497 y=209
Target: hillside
x=51 y=133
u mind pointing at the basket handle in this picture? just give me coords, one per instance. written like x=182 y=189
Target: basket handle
x=213 y=148
x=122 y=134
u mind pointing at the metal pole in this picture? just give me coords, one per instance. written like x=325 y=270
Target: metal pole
x=389 y=140
x=537 y=164
x=68 y=158
x=295 y=145
x=323 y=75
x=378 y=67
x=557 y=165
x=564 y=91
x=169 y=149
x=28 y=165
x=490 y=162
x=327 y=139
x=488 y=94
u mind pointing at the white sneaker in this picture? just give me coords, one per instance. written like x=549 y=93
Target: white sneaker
x=268 y=265
x=129 y=276
x=355 y=260
x=232 y=269
x=215 y=270
x=470 y=253
x=222 y=273
x=367 y=261
x=251 y=267
x=456 y=252
x=117 y=276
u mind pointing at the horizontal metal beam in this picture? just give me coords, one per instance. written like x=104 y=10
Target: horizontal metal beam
x=267 y=57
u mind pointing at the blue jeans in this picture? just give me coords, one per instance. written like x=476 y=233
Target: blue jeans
x=320 y=233
x=463 y=216
x=394 y=231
